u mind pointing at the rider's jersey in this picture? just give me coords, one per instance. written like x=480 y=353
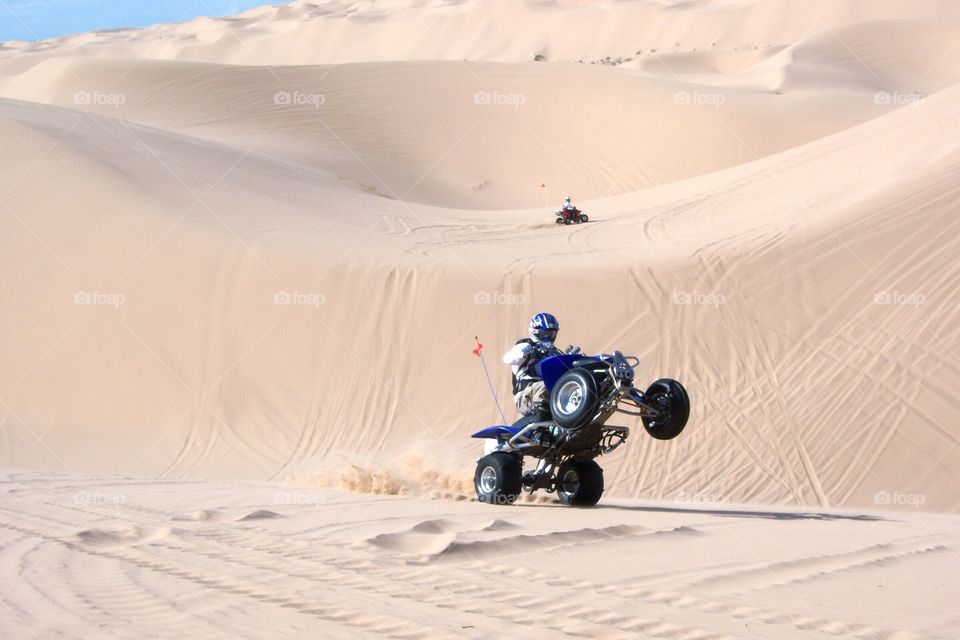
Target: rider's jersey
x=523 y=359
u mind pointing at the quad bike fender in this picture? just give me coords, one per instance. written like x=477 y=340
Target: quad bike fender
x=555 y=366
x=497 y=431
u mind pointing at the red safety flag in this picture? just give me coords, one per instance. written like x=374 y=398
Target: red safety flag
x=478 y=348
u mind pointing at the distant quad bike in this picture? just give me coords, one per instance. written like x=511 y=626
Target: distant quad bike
x=584 y=392
x=571 y=217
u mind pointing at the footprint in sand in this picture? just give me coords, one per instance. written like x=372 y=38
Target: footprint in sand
x=122 y=535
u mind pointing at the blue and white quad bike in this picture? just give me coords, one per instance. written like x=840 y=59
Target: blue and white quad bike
x=585 y=391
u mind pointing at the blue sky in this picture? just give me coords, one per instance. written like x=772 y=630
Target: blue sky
x=38 y=19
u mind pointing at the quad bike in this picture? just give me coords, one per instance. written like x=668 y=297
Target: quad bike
x=574 y=216
x=585 y=391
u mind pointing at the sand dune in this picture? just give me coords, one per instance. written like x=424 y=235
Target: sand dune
x=257 y=249
x=493 y=156
x=819 y=229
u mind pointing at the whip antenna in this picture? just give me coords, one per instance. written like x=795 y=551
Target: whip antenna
x=478 y=351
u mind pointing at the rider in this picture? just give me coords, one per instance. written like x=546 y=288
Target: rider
x=567 y=206
x=530 y=392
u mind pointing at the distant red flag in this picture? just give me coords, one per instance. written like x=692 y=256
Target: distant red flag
x=478 y=349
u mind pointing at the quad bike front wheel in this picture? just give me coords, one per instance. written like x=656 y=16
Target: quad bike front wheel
x=584 y=218
x=580 y=483
x=498 y=478
x=670 y=398
x=574 y=399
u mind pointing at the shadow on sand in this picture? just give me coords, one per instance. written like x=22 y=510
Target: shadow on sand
x=726 y=513
x=746 y=513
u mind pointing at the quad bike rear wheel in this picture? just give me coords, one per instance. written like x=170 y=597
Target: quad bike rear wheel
x=671 y=399
x=574 y=399
x=580 y=483
x=498 y=478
